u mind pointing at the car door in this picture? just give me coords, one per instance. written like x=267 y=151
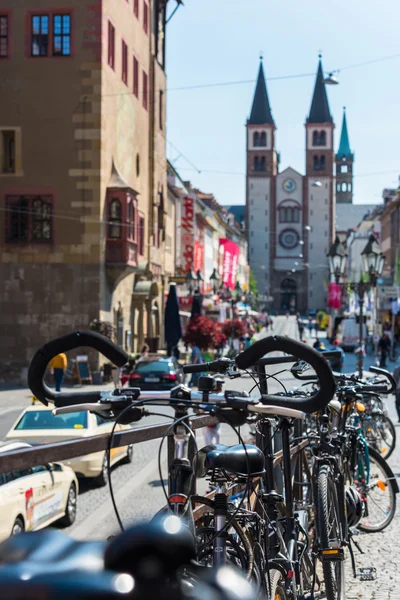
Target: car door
x=12 y=503
x=47 y=503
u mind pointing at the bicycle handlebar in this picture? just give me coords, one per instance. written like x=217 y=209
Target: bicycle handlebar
x=389 y=377
x=301 y=351
x=62 y=344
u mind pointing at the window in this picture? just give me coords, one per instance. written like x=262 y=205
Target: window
x=145 y=17
x=111 y=45
x=319 y=163
x=4 y=36
x=319 y=138
x=259 y=163
x=132 y=220
x=8 y=163
x=29 y=219
x=160 y=220
x=344 y=169
x=44 y=419
x=114 y=219
x=349 y=187
x=40 y=35
x=145 y=91
x=161 y=108
x=289 y=214
x=136 y=8
x=344 y=187
x=141 y=235
x=61 y=35
x=136 y=77
x=256 y=138
x=263 y=139
x=124 y=73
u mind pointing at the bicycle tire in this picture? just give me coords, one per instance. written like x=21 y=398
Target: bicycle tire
x=392 y=429
x=277 y=591
x=375 y=457
x=327 y=504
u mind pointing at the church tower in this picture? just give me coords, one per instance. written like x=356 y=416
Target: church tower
x=344 y=167
x=319 y=205
x=261 y=170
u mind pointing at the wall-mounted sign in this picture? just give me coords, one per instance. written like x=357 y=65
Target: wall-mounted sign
x=229 y=253
x=188 y=226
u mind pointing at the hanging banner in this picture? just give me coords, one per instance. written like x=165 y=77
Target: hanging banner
x=229 y=256
x=198 y=258
x=188 y=228
x=334 y=295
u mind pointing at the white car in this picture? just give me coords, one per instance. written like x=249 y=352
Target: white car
x=35 y=497
x=37 y=424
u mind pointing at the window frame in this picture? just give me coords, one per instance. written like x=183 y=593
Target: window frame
x=146 y=17
x=135 y=76
x=6 y=37
x=114 y=221
x=141 y=234
x=145 y=91
x=263 y=140
x=40 y=16
x=4 y=133
x=61 y=35
x=14 y=199
x=124 y=61
x=111 y=46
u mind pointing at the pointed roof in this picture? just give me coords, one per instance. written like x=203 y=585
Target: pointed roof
x=319 y=111
x=344 y=145
x=261 y=110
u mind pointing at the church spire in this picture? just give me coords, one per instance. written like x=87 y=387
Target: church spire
x=319 y=111
x=344 y=145
x=261 y=110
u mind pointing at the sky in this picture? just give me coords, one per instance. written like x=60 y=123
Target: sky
x=219 y=41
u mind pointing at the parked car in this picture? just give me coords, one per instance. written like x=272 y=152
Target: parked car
x=37 y=424
x=157 y=374
x=35 y=497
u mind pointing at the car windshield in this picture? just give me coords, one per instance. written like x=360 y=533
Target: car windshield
x=154 y=367
x=43 y=419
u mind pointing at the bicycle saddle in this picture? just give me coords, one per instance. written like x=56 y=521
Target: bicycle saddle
x=231 y=459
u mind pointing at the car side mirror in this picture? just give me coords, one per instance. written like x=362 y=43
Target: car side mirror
x=300 y=366
x=50 y=467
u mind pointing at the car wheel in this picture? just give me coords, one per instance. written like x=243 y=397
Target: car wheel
x=70 y=509
x=18 y=526
x=129 y=456
x=102 y=479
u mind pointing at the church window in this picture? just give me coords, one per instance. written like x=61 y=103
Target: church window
x=319 y=163
x=289 y=214
x=319 y=138
x=262 y=163
x=344 y=187
x=263 y=139
x=349 y=187
x=256 y=138
x=344 y=169
x=338 y=187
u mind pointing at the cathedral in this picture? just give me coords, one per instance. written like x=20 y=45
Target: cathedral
x=290 y=217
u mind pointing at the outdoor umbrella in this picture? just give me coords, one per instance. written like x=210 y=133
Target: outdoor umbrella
x=172 y=320
x=196 y=306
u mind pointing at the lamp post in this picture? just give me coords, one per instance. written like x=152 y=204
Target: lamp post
x=190 y=278
x=337 y=260
x=199 y=279
x=214 y=278
x=373 y=261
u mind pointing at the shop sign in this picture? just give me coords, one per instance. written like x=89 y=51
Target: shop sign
x=188 y=227
x=229 y=256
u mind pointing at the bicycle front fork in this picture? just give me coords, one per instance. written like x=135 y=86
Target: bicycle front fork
x=220 y=518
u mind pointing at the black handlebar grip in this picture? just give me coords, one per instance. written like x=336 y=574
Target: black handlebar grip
x=389 y=377
x=323 y=371
x=378 y=388
x=332 y=354
x=64 y=343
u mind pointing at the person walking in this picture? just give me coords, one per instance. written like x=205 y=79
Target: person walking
x=384 y=349
x=337 y=363
x=58 y=364
x=144 y=353
x=396 y=377
x=300 y=325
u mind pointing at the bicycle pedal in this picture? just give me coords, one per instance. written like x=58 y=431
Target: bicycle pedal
x=366 y=573
x=331 y=554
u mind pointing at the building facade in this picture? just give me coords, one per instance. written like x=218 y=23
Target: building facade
x=83 y=173
x=290 y=217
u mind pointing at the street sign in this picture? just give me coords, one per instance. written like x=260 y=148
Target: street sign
x=389 y=291
x=179 y=279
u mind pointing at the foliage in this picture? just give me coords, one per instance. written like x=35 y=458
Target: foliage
x=253 y=284
x=203 y=333
x=237 y=330
x=104 y=327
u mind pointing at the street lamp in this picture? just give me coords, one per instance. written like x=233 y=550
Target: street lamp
x=337 y=260
x=214 y=278
x=236 y=297
x=199 y=279
x=190 y=278
x=373 y=262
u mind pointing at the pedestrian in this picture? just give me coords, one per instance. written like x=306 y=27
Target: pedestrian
x=384 y=349
x=396 y=377
x=196 y=358
x=58 y=364
x=300 y=325
x=337 y=363
x=144 y=353
x=116 y=376
x=317 y=344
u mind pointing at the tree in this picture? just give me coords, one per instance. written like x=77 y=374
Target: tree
x=253 y=284
x=203 y=333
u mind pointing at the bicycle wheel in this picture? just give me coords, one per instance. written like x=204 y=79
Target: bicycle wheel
x=329 y=532
x=379 y=492
x=387 y=435
x=277 y=591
